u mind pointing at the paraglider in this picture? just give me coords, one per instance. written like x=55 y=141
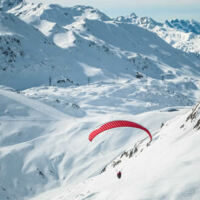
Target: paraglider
x=117 y=124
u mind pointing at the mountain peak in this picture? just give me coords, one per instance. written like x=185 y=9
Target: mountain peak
x=133 y=15
x=8 y=4
x=184 y=25
x=144 y=21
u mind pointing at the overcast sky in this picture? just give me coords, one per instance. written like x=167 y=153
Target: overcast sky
x=157 y=9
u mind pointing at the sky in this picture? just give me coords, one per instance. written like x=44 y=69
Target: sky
x=159 y=10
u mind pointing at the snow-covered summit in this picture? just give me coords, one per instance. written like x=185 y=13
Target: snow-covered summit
x=129 y=18
x=146 y=22
x=8 y=4
x=55 y=13
x=185 y=25
x=181 y=34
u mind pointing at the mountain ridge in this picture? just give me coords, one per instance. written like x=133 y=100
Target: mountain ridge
x=181 y=34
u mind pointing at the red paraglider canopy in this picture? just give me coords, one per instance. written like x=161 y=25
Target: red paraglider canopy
x=116 y=124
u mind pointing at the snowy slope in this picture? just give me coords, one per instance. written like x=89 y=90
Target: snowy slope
x=181 y=34
x=123 y=97
x=27 y=56
x=24 y=123
x=165 y=169
x=42 y=147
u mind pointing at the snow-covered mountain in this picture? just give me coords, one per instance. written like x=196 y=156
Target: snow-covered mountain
x=44 y=136
x=90 y=47
x=27 y=56
x=185 y=25
x=181 y=34
x=72 y=69
x=149 y=171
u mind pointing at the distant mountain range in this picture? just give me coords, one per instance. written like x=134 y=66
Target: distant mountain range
x=185 y=25
x=181 y=34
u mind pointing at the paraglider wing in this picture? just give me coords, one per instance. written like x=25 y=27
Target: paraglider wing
x=116 y=124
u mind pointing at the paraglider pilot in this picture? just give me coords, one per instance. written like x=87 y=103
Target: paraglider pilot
x=119 y=174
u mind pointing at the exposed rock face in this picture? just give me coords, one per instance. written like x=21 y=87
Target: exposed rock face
x=195 y=117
